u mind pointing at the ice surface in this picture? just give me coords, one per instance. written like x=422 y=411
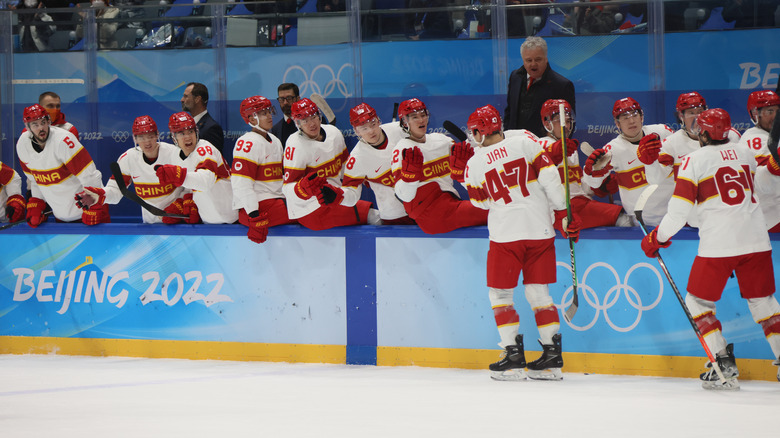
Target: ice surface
x=67 y=396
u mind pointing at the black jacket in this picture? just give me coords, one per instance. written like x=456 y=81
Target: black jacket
x=282 y=130
x=524 y=105
x=209 y=130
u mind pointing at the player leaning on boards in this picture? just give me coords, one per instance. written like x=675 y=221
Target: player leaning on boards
x=762 y=107
x=716 y=182
x=515 y=180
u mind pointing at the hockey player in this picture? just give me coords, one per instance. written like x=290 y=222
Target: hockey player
x=620 y=155
x=421 y=170
x=51 y=102
x=762 y=106
x=257 y=172
x=518 y=184
x=57 y=167
x=314 y=161
x=370 y=162
x=11 y=194
x=201 y=170
x=592 y=213
x=716 y=182
x=137 y=165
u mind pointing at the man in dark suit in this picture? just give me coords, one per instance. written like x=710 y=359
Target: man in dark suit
x=194 y=101
x=288 y=94
x=531 y=85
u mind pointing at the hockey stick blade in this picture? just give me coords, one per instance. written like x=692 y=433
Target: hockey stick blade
x=395 y=112
x=774 y=138
x=324 y=107
x=116 y=172
x=455 y=131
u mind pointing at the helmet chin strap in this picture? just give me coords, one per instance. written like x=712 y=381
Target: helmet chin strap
x=257 y=126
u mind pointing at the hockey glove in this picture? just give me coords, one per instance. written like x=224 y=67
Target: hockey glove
x=258 y=226
x=14 y=208
x=555 y=150
x=310 y=185
x=570 y=230
x=651 y=245
x=170 y=174
x=330 y=194
x=459 y=157
x=598 y=163
x=649 y=148
x=176 y=207
x=608 y=187
x=35 y=207
x=771 y=166
x=411 y=164
x=97 y=214
x=90 y=196
x=190 y=208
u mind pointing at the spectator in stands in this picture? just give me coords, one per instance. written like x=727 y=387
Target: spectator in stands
x=129 y=12
x=194 y=101
x=432 y=24
x=35 y=26
x=287 y=94
x=105 y=12
x=594 y=19
x=64 y=20
x=515 y=18
x=750 y=13
x=51 y=102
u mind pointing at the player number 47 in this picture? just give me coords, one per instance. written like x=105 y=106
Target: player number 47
x=499 y=184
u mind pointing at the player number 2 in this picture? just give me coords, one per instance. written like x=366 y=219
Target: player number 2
x=514 y=174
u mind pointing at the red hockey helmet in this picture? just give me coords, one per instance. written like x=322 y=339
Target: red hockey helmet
x=34 y=112
x=303 y=109
x=361 y=114
x=411 y=106
x=253 y=105
x=761 y=99
x=181 y=122
x=625 y=105
x=715 y=122
x=690 y=100
x=551 y=107
x=144 y=125
x=486 y=120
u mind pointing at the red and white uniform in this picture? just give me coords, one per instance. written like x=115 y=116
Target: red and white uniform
x=208 y=176
x=62 y=169
x=757 y=139
x=256 y=178
x=436 y=167
x=61 y=123
x=631 y=177
x=373 y=164
x=10 y=185
x=139 y=172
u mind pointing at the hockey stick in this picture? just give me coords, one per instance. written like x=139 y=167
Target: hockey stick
x=640 y=205
x=572 y=310
x=324 y=107
x=454 y=130
x=395 y=112
x=46 y=215
x=116 y=172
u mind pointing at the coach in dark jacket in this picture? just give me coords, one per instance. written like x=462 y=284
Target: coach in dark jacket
x=288 y=94
x=531 y=85
x=194 y=101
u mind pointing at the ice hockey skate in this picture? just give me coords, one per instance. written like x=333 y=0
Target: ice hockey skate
x=548 y=366
x=728 y=366
x=511 y=367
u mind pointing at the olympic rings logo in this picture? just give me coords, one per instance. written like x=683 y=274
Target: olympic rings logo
x=321 y=73
x=612 y=295
x=120 y=136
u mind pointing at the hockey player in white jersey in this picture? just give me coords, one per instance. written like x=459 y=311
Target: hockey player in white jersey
x=257 y=172
x=370 y=161
x=620 y=155
x=716 y=182
x=138 y=168
x=57 y=168
x=515 y=180
x=203 y=171
x=11 y=194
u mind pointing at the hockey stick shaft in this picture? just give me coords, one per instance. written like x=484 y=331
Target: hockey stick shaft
x=572 y=310
x=395 y=112
x=46 y=215
x=322 y=104
x=116 y=172
x=454 y=130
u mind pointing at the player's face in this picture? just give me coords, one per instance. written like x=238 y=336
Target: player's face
x=689 y=117
x=556 y=126
x=630 y=123
x=187 y=140
x=766 y=117
x=39 y=129
x=52 y=106
x=286 y=99
x=188 y=100
x=148 y=144
x=265 y=119
x=370 y=132
x=535 y=61
x=311 y=125
x=417 y=123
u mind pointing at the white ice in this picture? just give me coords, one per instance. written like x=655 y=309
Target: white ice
x=67 y=396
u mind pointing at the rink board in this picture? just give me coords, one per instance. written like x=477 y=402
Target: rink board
x=361 y=295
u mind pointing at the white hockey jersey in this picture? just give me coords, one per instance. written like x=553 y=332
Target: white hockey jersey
x=209 y=179
x=522 y=186
x=757 y=139
x=10 y=185
x=55 y=174
x=257 y=170
x=575 y=171
x=373 y=164
x=436 y=165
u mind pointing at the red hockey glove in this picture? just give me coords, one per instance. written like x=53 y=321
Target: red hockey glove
x=90 y=196
x=459 y=156
x=649 y=148
x=97 y=214
x=555 y=150
x=189 y=208
x=608 y=187
x=411 y=164
x=651 y=245
x=258 y=226
x=570 y=230
x=310 y=185
x=598 y=163
x=170 y=174
x=330 y=194
x=176 y=207
x=666 y=159
x=14 y=208
x=35 y=207
x=772 y=166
